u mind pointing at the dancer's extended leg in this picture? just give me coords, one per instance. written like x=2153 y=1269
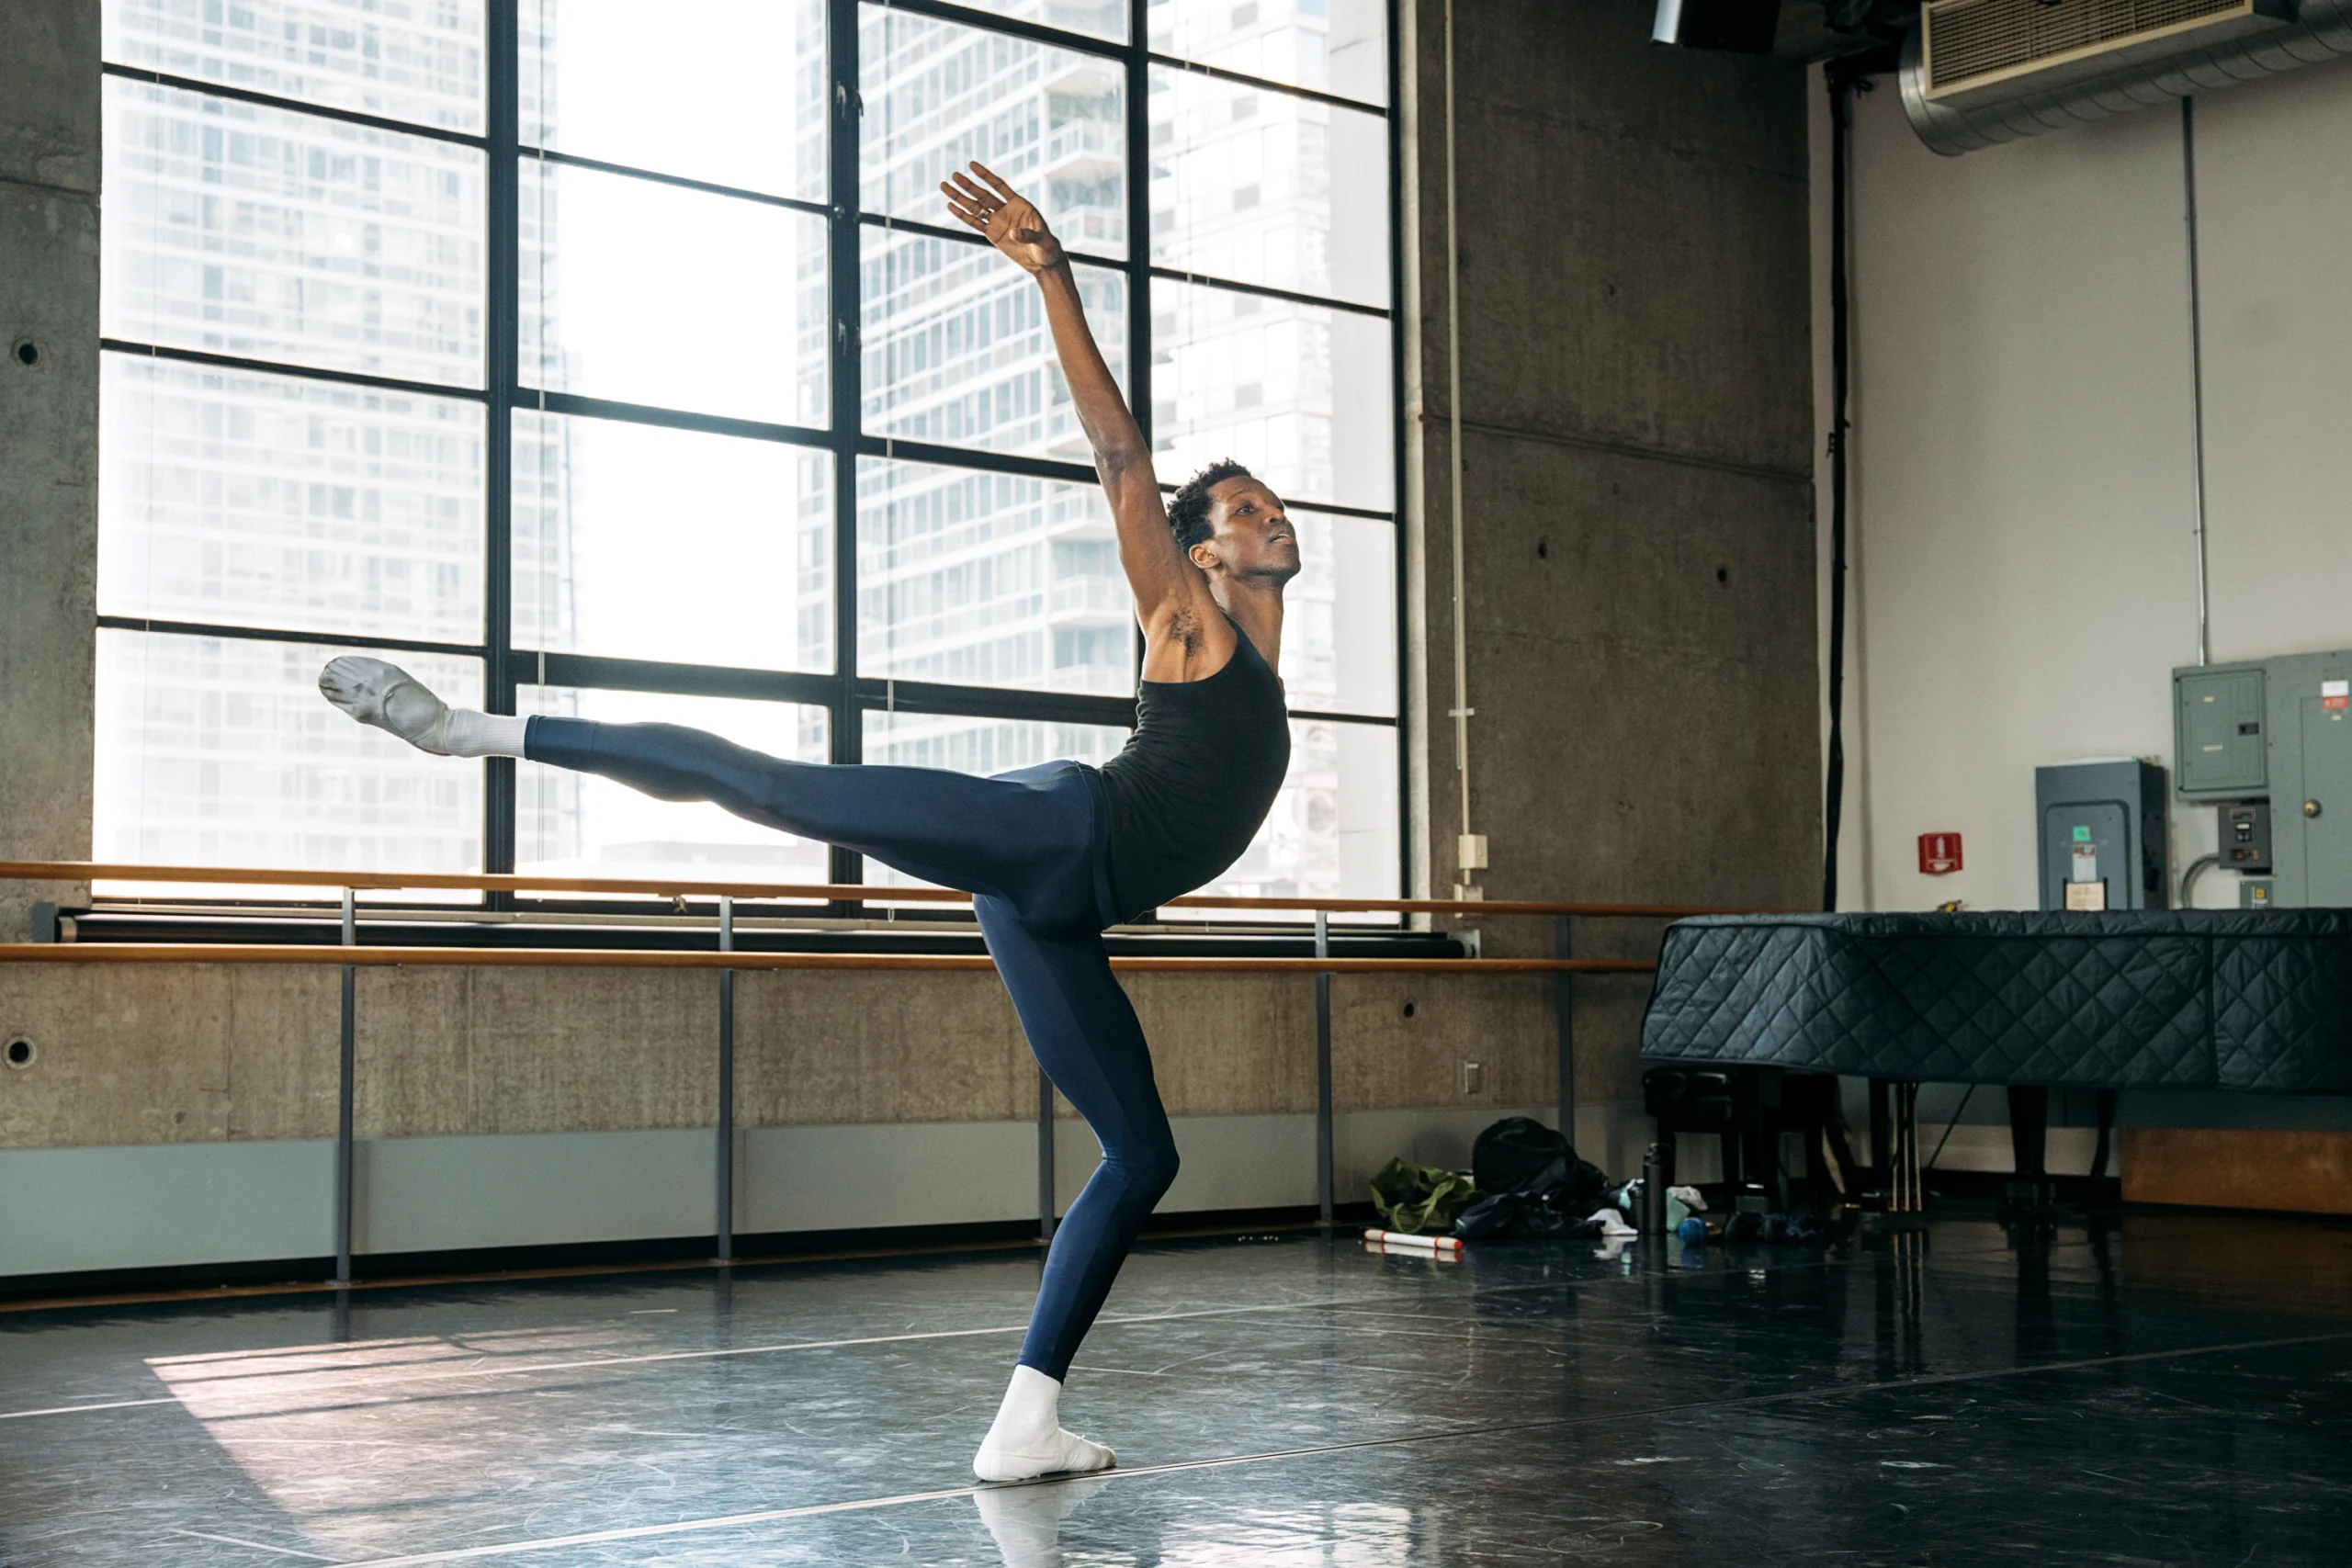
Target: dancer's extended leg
x=1030 y=837
x=1085 y=1034
x=1027 y=837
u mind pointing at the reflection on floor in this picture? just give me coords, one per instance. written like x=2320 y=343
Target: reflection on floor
x=2154 y=1390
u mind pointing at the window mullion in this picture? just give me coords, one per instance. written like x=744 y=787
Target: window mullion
x=845 y=108
x=504 y=110
x=1138 y=63
x=1397 y=152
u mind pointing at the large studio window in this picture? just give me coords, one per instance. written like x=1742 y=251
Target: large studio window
x=619 y=361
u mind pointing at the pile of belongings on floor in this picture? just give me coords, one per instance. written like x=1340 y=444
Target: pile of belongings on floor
x=1525 y=1180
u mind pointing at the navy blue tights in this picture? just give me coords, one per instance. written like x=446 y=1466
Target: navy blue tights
x=1031 y=849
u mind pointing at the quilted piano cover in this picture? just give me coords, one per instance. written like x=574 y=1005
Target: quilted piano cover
x=2241 y=999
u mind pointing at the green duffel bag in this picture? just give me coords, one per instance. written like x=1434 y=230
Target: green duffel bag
x=1418 y=1198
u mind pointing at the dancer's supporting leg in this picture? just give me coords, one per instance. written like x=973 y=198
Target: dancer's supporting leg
x=1086 y=1036
x=1024 y=845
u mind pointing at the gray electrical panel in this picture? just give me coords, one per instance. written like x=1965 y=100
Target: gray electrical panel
x=2217 y=746
x=2102 y=836
x=2275 y=733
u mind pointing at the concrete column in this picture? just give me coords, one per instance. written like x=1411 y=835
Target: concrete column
x=49 y=411
x=1636 y=404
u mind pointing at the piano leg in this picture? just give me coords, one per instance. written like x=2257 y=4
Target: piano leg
x=2028 y=1144
x=1756 y=1101
x=1846 y=1180
x=1906 y=1190
x=2106 y=1136
x=1882 y=1135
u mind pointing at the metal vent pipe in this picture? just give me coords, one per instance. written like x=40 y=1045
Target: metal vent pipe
x=2321 y=30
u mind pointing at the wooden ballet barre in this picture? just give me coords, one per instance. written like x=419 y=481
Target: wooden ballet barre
x=821 y=892
x=632 y=958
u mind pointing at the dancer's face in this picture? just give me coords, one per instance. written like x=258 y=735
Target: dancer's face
x=1249 y=534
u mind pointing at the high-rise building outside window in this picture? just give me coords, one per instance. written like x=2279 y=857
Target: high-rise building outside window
x=594 y=358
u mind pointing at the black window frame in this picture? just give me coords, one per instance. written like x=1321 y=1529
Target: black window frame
x=846 y=695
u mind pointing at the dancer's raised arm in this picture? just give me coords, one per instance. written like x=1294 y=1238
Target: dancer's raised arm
x=1173 y=596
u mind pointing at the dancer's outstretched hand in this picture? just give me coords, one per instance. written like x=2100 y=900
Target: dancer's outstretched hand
x=1005 y=216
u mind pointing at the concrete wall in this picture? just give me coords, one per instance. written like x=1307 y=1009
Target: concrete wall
x=1637 y=434
x=1640 y=591
x=48 y=417
x=184 y=1053
x=2025 y=573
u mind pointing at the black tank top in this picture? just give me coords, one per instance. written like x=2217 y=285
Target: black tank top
x=1195 y=779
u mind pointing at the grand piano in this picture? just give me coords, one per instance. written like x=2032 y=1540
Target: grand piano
x=2258 y=1001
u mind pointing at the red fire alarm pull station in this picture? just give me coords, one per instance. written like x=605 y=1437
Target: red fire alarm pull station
x=1938 y=853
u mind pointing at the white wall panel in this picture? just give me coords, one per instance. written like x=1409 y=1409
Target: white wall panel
x=149 y=1206
x=2025 y=577
x=157 y=1205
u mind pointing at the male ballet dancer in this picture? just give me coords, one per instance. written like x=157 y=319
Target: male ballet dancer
x=1051 y=854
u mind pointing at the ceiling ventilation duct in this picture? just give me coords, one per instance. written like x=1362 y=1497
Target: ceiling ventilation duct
x=1977 y=73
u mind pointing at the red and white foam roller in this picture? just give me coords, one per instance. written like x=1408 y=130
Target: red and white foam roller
x=1414 y=1243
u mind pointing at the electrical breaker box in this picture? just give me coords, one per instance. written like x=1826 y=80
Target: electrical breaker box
x=2102 y=836
x=2218 y=745
x=2275 y=737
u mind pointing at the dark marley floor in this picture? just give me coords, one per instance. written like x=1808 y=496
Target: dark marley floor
x=2157 y=1390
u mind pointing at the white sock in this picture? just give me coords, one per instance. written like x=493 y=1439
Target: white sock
x=391 y=699
x=1027 y=1439
x=467 y=733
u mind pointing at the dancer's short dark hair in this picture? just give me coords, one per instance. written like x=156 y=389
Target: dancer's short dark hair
x=1188 y=508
